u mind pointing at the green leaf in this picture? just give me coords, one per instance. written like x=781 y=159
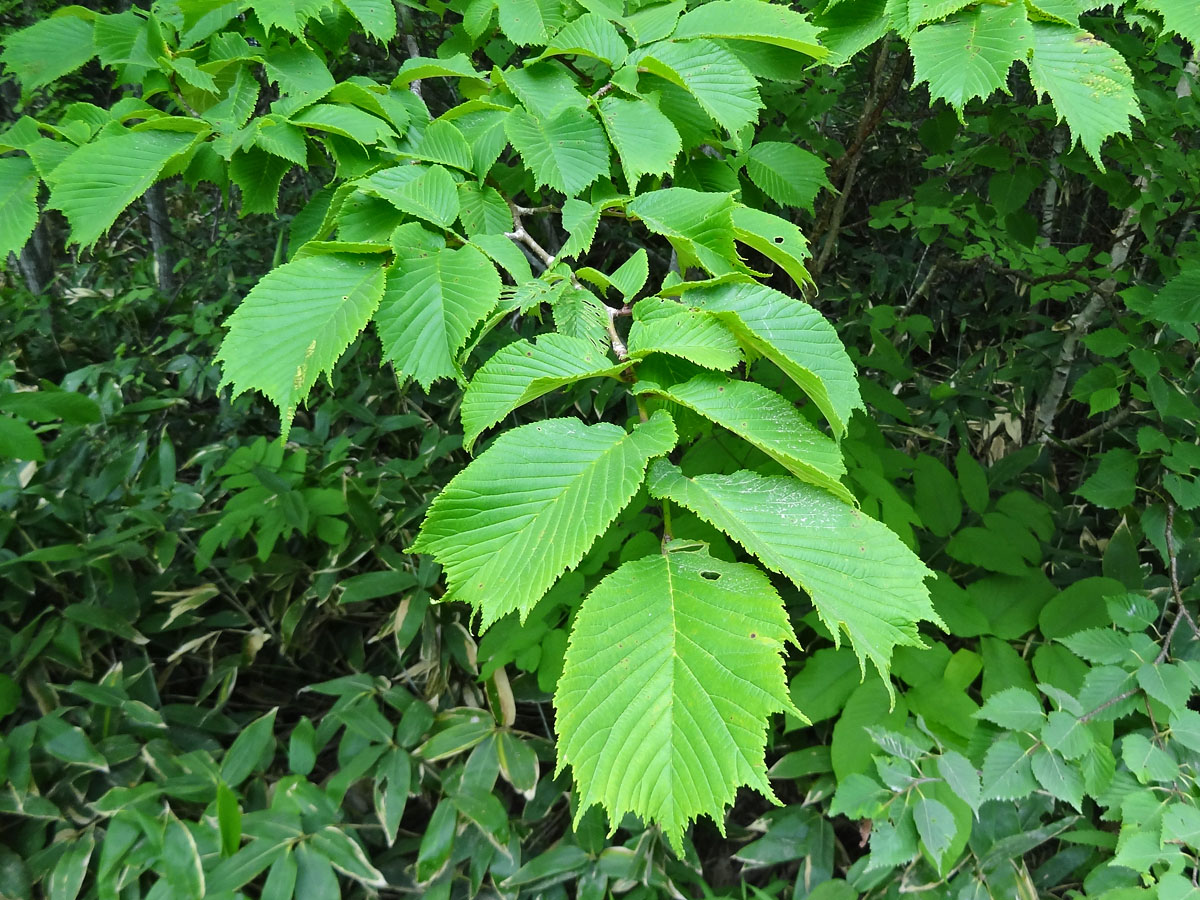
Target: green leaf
x=1060 y=778
x=418 y=68
x=181 y=862
x=429 y=308
x=1165 y=682
x=347 y=856
x=1099 y=645
x=1067 y=734
x=1113 y=484
x=522 y=372
x=69 y=743
x=246 y=753
x=654 y=22
x=258 y=176
x=531 y=505
x=752 y=20
x=567 y=152
x=718 y=80
x=294 y=326
x=528 y=21
x=936 y=496
x=675 y=660
x=1007 y=774
x=229 y=820
x=302 y=749
x=962 y=777
x=969 y=55
x=378 y=19
x=921 y=11
x=645 y=139
x=393 y=777
x=698 y=225
x=281 y=879
x=1180 y=16
x=314 y=873
x=785 y=173
x=442 y=142
x=343 y=120
x=664 y=326
x=66 y=878
x=1015 y=709
x=427 y=192
x=483 y=210
x=775 y=238
x=48 y=50
x=590 y=35
x=1088 y=82
x=580 y=220
x=1148 y=762
x=1181 y=822
x=766 y=420
x=935 y=826
x=577 y=313
x=19 y=441
x=18 y=203
x=1177 y=302
x=793 y=336
x=860 y=577
x=95 y=183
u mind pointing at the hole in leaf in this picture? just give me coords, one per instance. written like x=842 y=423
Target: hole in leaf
x=710 y=576
x=778 y=239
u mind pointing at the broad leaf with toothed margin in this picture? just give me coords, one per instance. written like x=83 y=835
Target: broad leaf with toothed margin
x=430 y=307
x=862 y=580
x=522 y=372
x=671 y=671
x=295 y=324
x=792 y=335
x=718 y=80
x=752 y=20
x=664 y=326
x=95 y=183
x=1087 y=80
x=531 y=505
x=1180 y=16
x=48 y=50
x=766 y=420
x=786 y=173
x=699 y=226
x=970 y=54
x=18 y=203
x=645 y=139
x=567 y=152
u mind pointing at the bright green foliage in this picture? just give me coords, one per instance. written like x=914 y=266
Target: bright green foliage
x=531 y=505
x=566 y=152
x=862 y=580
x=97 y=181
x=296 y=323
x=787 y=174
x=792 y=335
x=1088 y=81
x=49 y=49
x=18 y=203
x=522 y=372
x=670 y=327
x=969 y=55
x=551 y=212
x=430 y=306
x=766 y=420
x=672 y=669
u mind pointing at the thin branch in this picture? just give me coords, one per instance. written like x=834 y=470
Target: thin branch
x=521 y=236
x=1176 y=592
x=1107 y=425
x=614 y=336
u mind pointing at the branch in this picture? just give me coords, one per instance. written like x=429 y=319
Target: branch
x=614 y=336
x=1176 y=593
x=1119 y=417
x=1047 y=407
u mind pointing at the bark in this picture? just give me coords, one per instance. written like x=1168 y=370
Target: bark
x=160 y=239
x=1047 y=408
x=1050 y=193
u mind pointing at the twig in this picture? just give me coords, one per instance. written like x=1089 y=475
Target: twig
x=412 y=49
x=614 y=336
x=1176 y=593
x=1120 y=416
x=1047 y=407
